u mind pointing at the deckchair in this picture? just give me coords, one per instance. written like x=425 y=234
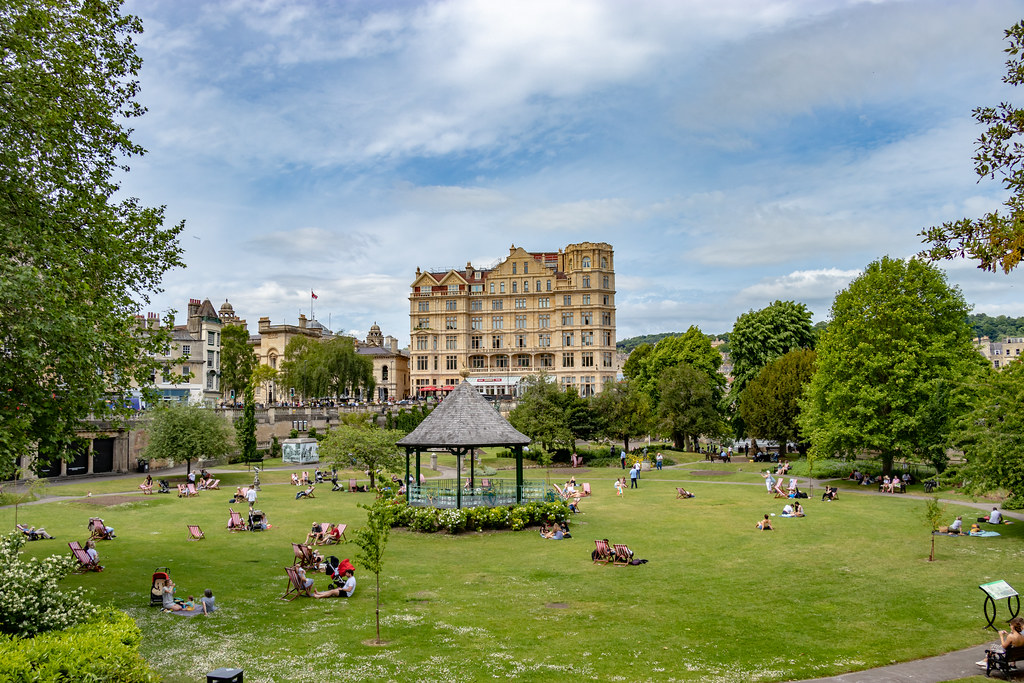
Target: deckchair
x=147 y=490
x=352 y=486
x=213 y=484
x=296 y=587
x=33 y=534
x=85 y=563
x=98 y=530
x=586 y=488
x=236 y=523
x=195 y=533
x=622 y=555
x=682 y=493
x=423 y=480
x=561 y=493
x=190 y=490
x=602 y=553
x=341 y=530
x=303 y=556
x=485 y=483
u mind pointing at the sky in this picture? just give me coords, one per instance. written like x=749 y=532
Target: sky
x=733 y=153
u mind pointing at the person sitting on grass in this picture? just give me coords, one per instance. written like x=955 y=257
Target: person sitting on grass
x=995 y=517
x=307 y=493
x=957 y=527
x=765 y=524
x=207 y=601
x=168 y=598
x=798 y=511
x=787 y=510
x=345 y=591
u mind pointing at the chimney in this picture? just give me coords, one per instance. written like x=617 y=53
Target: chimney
x=264 y=324
x=302 y=321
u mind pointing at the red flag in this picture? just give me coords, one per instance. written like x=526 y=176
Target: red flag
x=313 y=294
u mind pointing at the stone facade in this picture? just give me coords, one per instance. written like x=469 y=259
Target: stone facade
x=1000 y=354
x=390 y=365
x=192 y=363
x=533 y=312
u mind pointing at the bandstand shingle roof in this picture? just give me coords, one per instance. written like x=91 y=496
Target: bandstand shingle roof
x=464 y=419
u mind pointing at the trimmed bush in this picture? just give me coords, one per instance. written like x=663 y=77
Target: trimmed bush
x=106 y=649
x=516 y=517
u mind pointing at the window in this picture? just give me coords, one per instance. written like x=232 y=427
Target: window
x=451 y=362
x=520 y=303
x=520 y=322
x=273 y=362
x=544 y=320
x=526 y=286
x=476 y=322
x=526 y=267
x=452 y=289
x=476 y=305
x=495 y=341
x=211 y=339
x=520 y=341
x=522 y=361
x=586 y=299
x=586 y=318
x=476 y=341
x=497 y=322
x=604 y=262
x=513 y=268
x=501 y=361
x=186 y=351
x=606 y=300
x=423 y=324
x=568 y=360
x=492 y=288
x=607 y=335
x=477 y=362
x=567 y=318
x=210 y=379
x=185 y=371
x=587 y=386
x=421 y=343
x=605 y=281
x=586 y=282
x=606 y=318
x=497 y=304
x=568 y=382
x=606 y=359
x=433 y=341
x=567 y=339
x=546 y=360
x=423 y=307
x=384 y=374
x=209 y=359
x=451 y=342
x=587 y=359
x=995 y=363
x=586 y=262
x=544 y=302
x=435 y=362
x=451 y=305
x=543 y=340
x=538 y=285
x=548 y=287
x=421 y=363
x=451 y=322
x=515 y=286
x=501 y=287
x=567 y=300
x=587 y=338
x=476 y=288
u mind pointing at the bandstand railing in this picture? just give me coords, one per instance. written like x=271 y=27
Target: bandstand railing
x=486 y=492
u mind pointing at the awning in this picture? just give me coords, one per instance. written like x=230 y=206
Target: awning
x=503 y=381
x=448 y=388
x=426 y=389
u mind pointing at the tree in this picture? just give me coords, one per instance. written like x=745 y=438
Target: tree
x=759 y=337
x=372 y=540
x=76 y=265
x=316 y=368
x=192 y=432
x=989 y=435
x=933 y=513
x=897 y=337
x=245 y=430
x=770 y=405
x=542 y=413
x=688 y=407
x=626 y=412
x=262 y=375
x=238 y=360
x=692 y=348
x=367 y=447
x=996 y=240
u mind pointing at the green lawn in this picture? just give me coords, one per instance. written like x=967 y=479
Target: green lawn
x=846 y=588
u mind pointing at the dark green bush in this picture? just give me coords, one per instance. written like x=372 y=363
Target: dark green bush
x=516 y=517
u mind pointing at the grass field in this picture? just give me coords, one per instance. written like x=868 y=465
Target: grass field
x=846 y=588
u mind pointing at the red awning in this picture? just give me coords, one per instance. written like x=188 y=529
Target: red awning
x=448 y=388
x=427 y=389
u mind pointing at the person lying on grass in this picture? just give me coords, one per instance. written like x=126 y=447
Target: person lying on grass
x=765 y=524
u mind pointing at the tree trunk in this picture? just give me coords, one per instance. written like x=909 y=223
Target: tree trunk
x=931 y=557
x=378 y=607
x=625 y=444
x=887 y=459
x=754 y=448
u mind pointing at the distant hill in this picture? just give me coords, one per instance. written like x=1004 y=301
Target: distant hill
x=995 y=328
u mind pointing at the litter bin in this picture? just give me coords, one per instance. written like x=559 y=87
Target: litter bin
x=143 y=465
x=224 y=675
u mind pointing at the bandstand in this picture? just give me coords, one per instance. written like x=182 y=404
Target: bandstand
x=464 y=421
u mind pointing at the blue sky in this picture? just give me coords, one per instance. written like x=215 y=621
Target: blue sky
x=733 y=153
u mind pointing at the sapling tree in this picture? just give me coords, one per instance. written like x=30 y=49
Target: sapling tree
x=933 y=513
x=372 y=540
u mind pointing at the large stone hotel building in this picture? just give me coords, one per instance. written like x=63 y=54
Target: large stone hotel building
x=533 y=312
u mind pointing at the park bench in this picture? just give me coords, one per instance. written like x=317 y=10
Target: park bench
x=1003 y=660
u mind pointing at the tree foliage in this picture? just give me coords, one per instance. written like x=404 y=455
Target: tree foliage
x=365 y=446
x=759 y=337
x=30 y=600
x=245 y=430
x=990 y=435
x=996 y=240
x=317 y=368
x=688 y=405
x=238 y=360
x=76 y=265
x=625 y=412
x=898 y=337
x=372 y=540
x=770 y=405
x=553 y=417
x=178 y=431
x=692 y=348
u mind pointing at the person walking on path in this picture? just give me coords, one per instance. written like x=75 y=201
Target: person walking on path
x=622 y=459
x=657 y=459
x=250 y=496
x=634 y=474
